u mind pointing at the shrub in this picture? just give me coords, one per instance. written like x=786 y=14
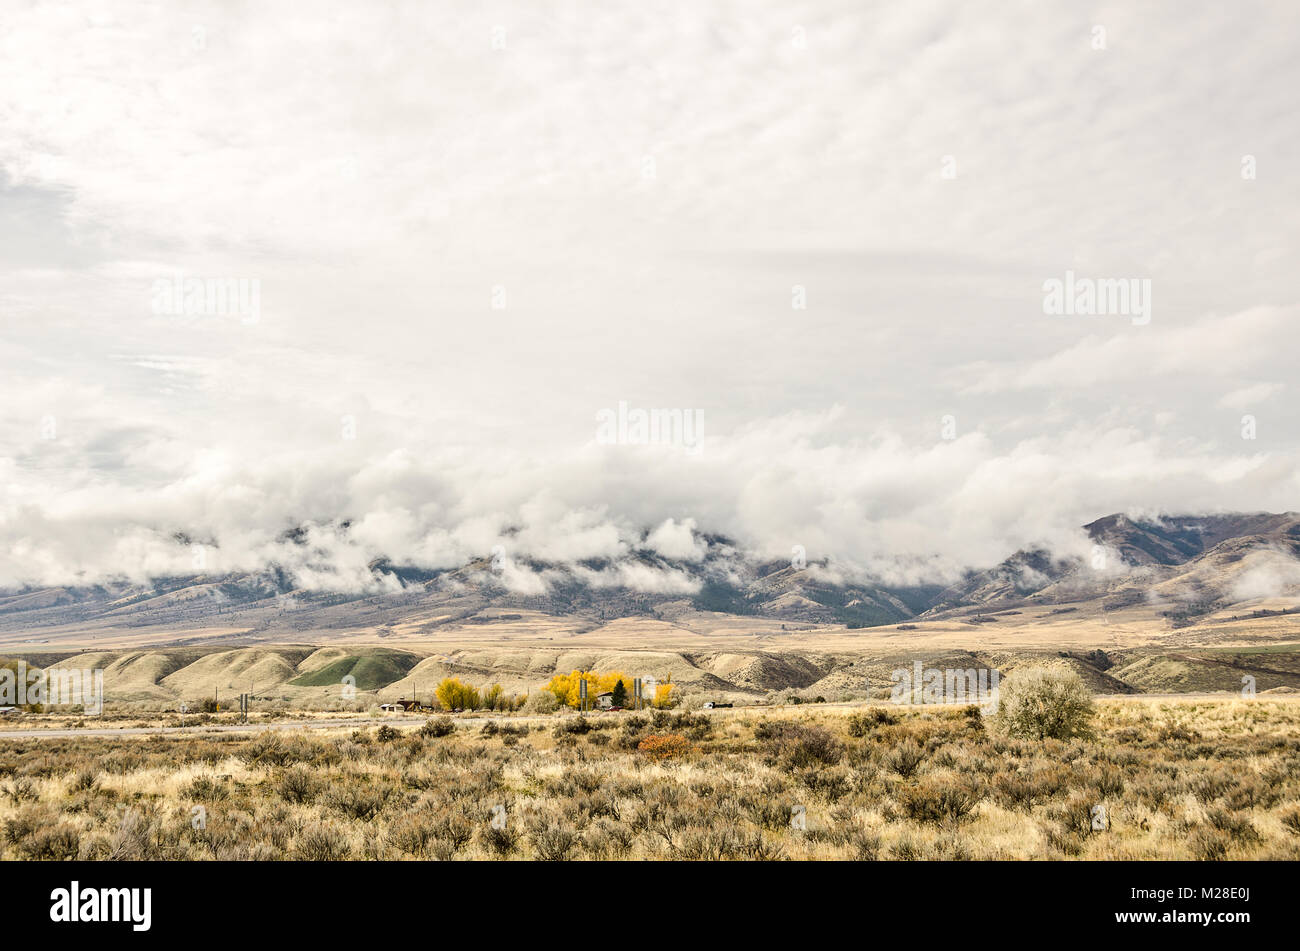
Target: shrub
x=1291 y=820
x=1252 y=792
x=131 y=841
x=358 y=802
x=904 y=759
x=1209 y=845
x=1077 y=815
x=541 y=701
x=21 y=789
x=864 y=845
x=768 y=814
x=269 y=749
x=1108 y=782
x=573 y=725
x=321 y=843
x=410 y=834
x=1023 y=790
x=21 y=825
x=553 y=842
x=499 y=841
x=53 y=845
x=454 y=826
x=1047 y=702
x=937 y=800
x=298 y=784
x=1173 y=731
x=800 y=746
x=907 y=849
x=206 y=789
x=1063 y=840
x=664 y=746
x=386 y=734
x=1237 y=828
x=1156 y=792
x=438 y=726
x=697 y=727
x=832 y=784
x=1210 y=785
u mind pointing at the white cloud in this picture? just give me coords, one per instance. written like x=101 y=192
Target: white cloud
x=1213 y=346
x=677 y=541
x=1267 y=574
x=1248 y=396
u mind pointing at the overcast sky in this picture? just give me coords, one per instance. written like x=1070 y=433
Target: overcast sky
x=474 y=226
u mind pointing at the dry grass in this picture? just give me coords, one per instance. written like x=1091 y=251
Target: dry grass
x=1209 y=779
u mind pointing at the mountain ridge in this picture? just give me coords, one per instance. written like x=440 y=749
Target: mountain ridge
x=1192 y=563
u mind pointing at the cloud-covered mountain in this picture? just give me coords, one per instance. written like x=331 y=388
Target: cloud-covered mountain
x=1188 y=564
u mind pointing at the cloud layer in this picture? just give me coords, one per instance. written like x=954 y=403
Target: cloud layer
x=475 y=228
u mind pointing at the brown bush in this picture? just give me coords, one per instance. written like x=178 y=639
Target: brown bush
x=904 y=759
x=938 y=800
x=321 y=843
x=659 y=747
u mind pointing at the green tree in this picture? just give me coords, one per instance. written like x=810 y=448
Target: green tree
x=620 y=695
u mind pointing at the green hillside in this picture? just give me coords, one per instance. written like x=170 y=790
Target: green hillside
x=372 y=669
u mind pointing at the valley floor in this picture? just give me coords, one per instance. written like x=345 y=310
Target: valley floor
x=706 y=657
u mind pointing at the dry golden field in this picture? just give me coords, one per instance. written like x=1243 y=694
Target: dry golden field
x=1162 y=779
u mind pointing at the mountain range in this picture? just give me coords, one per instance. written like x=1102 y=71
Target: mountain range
x=1187 y=565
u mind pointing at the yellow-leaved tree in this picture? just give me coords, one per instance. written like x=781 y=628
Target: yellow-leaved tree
x=663 y=698
x=454 y=695
x=566 y=686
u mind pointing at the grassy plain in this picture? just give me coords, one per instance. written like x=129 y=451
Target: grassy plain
x=1163 y=779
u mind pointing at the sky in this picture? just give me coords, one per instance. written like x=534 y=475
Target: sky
x=457 y=237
